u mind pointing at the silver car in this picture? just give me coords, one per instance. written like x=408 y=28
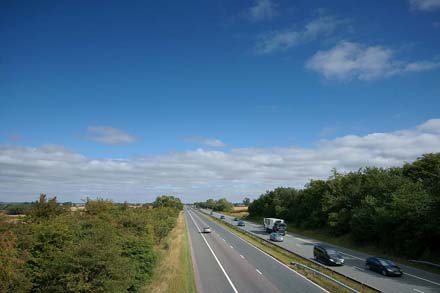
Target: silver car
x=207 y=230
x=276 y=237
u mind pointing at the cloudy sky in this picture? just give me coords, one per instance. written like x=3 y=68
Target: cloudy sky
x=211 y=99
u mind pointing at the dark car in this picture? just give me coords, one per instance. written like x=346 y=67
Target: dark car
x=236 y=219
x=240 y=223
x=383 y=266
x=222 y=217
x=328 y=255
x=276 y=237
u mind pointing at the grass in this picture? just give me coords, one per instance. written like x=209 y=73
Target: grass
x=174 y=273
x=287 y=257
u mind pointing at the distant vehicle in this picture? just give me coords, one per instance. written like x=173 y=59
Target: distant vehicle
x=328 y=255
x=275 y=225
x=383 y=266
x=207 y=230
x=276 y=237
x=222 y=217
x=236 y=219
x=240 y=223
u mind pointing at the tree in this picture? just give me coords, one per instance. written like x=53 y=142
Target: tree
x=44 y=209
x=246 y=201
x=223 y=205
x=168 y=201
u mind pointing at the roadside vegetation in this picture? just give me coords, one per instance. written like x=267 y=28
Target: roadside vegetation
x=395 y=210
x=106 y=247
x=174 y=272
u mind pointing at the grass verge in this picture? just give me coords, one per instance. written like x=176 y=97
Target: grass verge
x=288 y=257
x=174 y=273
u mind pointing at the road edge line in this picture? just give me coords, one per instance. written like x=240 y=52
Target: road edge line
x=218 y=262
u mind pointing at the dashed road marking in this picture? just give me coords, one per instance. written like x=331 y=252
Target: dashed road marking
x=241 y=256
x=258 y=271
x=423 y=279
x=417 y=290
x=215 y=256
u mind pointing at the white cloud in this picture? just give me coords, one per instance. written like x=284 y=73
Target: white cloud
x=425 y=5
x=430 y=126
x=213 y=142
x=261 y=10
x=198 y=174
x=349 y=60
x=109 y=135
x=282 y=40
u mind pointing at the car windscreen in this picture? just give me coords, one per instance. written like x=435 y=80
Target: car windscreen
x=386 y=262
x=332 y=252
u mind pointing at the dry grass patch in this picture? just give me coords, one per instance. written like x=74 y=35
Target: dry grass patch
x=239 y=212
x=174 y=273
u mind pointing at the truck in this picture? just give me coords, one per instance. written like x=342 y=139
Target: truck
x=275 y=225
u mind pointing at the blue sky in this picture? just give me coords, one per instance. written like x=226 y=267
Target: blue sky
x=110 y=83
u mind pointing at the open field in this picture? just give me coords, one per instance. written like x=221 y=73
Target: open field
x=174 y=273
x=239 y=212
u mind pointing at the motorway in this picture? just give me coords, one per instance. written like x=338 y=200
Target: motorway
x=223 y=262
x=413 y=281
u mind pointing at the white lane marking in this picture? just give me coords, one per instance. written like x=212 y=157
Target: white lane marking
x=303 y=240
x=422 y=279
x=241 y=256
x=284 y=265
x=231 y=246
x=414 y=276
x=418 y=290
x=359 y=269
x=218 y=262
x=258 y=271
x=223 y=239
x=352 y=256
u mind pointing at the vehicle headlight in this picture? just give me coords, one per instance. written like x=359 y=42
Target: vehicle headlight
x=389 y=270
x=332 y=260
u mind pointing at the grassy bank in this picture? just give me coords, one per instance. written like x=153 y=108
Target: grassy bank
x=174 y=272
x=287 y=257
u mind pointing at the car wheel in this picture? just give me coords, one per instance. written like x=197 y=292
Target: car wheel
x=384 y=272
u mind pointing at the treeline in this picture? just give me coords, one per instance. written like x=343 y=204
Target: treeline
x=221 y=205
x=395 y=209
x=19 y=208
x=105 y=248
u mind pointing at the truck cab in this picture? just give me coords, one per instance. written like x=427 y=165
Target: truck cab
x=275 y=225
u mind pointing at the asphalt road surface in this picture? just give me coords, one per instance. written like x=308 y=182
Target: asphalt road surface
x=223 y=262
x=414 y=280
